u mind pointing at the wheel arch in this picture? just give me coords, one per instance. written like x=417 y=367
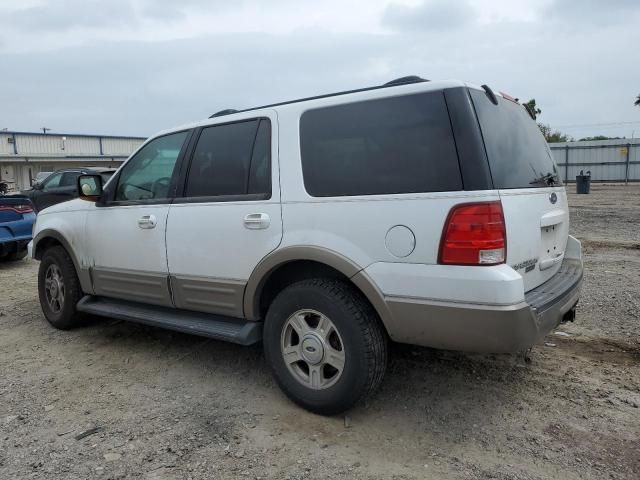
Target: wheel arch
x=290 y=264
x=48 y=238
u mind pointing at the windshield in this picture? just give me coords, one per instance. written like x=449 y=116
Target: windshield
x=519 y=156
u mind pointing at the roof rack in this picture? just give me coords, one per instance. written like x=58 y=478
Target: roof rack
x=405 y=80
x=227 y=111
x=393 y=83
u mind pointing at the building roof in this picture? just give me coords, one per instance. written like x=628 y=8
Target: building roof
x=57 y=134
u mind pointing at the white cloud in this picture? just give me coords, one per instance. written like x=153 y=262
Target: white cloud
x=152 y=72
x=429 y=16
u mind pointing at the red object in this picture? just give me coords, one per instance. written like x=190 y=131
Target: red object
x=20 y=208
x=474 y=234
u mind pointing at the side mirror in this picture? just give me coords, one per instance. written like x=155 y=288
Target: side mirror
x=37 y=186
x=90 y=187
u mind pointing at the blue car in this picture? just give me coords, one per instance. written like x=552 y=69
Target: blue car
x=16 y=225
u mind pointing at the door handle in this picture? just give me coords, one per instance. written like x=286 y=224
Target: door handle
x=257 y=221
x=147 y=221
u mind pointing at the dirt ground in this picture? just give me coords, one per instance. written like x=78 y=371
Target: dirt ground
x=173 y=406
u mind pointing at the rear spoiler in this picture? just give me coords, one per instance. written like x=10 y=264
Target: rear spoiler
x=14 y=199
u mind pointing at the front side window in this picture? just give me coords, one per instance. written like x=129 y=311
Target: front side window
x=147 y=175
x=386 y=146
x=52 y=182
x=231 y=159
x=69 y=179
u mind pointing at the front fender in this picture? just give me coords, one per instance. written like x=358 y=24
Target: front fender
x=66 y=229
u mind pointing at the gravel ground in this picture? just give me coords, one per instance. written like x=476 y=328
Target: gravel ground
x=164 y=405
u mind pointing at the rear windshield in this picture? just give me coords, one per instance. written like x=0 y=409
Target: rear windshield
x=384 y=146
x=519 y=156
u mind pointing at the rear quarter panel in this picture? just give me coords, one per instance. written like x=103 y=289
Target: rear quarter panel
x=357 y=226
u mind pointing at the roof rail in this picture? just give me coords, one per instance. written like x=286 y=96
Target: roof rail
x=398 y=81
x=221 y=113
x=405 y=80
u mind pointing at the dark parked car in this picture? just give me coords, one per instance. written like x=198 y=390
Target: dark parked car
x=61 y=186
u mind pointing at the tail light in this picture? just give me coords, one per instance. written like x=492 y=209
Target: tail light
x=19 y=208
x=474 y=234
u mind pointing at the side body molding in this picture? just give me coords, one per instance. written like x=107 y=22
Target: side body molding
x=321 y=255
x=84 y=276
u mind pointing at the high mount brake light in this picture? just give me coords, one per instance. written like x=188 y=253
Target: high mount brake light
x=474 y=234
x=509 y=97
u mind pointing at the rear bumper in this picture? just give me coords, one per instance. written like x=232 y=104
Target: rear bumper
x=488 y=328
x=11 y=246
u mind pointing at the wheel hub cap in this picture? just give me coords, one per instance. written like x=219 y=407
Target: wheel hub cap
x=54 y=288
x=312 y=349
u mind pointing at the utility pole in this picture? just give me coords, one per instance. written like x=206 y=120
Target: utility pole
x=45 y=130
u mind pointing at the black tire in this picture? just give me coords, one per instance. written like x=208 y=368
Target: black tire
x=15 y=256
x=361 y=333
x=66 y=316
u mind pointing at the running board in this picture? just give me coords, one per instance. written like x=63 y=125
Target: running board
x=219 y=327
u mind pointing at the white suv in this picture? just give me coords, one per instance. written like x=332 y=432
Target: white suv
x=428 y=213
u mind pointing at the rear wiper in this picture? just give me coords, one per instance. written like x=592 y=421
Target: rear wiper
x=549 y=179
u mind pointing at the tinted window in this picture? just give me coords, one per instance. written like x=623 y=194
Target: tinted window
x=69 y=179
x=260 y=172
x=518 y=155
x=148 y=173
x=106 y=176
x=52 y=182
x=394 y=145
x=231 y=159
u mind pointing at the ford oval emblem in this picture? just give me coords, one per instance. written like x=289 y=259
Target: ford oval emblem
x=553 y=198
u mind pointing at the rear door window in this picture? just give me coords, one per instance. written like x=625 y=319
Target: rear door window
x=386 y=146
x=230 y=160
x=519 y=156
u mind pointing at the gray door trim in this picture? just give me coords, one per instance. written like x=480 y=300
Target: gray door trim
x=137 y=286
x=210 y=295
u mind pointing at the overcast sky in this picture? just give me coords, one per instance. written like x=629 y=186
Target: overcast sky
x=134 y=67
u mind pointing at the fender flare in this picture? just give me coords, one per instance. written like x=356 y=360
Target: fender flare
x=335 y=260
x=83 y=274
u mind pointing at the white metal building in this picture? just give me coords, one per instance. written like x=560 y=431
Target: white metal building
x=23 y=154
x=607 y=160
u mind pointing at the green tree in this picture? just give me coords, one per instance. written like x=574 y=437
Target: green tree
x=553 y=136
x=532 y=108
x=598 y=137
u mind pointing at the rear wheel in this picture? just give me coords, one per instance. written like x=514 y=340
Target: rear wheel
x=325 y=345
x=59 y=288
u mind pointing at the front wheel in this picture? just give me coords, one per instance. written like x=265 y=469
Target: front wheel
x=325 y=345
x=59 y=289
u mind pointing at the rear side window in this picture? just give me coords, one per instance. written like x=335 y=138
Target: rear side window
x=392 y=145
x=231 y=159
x=519 y=156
